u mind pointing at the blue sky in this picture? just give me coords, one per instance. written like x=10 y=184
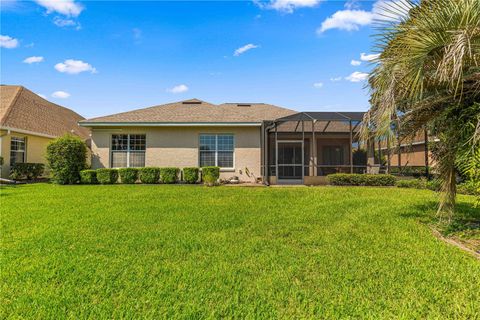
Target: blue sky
x=104 y=57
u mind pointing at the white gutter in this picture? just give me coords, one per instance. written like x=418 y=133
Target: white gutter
x=169 y=124
x=27 y=132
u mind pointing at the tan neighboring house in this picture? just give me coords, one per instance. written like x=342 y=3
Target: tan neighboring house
x=28 y=123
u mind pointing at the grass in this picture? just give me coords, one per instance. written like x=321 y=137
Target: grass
x=126 y=251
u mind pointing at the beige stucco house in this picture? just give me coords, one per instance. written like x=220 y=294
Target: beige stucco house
x=191 y=133
x=28 y=123
x=253 y=141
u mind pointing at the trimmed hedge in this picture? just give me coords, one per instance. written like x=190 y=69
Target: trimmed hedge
x=169 y=175
x=30 y=171
x=66 y=157
x=353 y=179
x=149 y=175
x=409 y=171
x=88 y=177
x=412 y=183
x=434 y=185
x=190 y=175
x=210 y=175
x=128 y=175
x=107 y=176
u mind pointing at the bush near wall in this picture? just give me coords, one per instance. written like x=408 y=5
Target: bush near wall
x=128 y=175
x=149 y=175
x=88 y=176
x=352 y=179
x=107 y=176
x=210 y=175
x=409 y=171
x=66 y=157
x=169 y=175
x=469 y=187
x=29 y=171
x=190 y=175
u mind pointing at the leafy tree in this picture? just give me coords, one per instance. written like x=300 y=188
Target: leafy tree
x=428 y=76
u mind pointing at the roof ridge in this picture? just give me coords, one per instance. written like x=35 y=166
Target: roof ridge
x=56 y=105
x=10 y=107
x=151 y=107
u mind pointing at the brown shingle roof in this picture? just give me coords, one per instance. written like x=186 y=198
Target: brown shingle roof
x=197 y=111
x=22 y=109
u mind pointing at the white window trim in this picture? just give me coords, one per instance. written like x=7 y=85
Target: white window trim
x=24 y=151
x=216 y=149
x=128 y=149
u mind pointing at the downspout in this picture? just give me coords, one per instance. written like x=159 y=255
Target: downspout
x=266 y=174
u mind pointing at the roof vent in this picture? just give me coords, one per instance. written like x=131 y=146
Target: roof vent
x=243 y=105
x=192 y=101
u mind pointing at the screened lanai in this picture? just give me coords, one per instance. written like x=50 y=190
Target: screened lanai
x=305 y=147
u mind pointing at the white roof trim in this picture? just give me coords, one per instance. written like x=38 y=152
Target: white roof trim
x=27 y=132
x=169 y=124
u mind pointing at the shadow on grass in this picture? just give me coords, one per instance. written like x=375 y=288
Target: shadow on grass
x=465 y=222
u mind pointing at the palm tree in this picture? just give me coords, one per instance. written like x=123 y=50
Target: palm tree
x=428 y=77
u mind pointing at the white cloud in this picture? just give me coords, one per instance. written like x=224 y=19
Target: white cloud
x=318 y=85
x=244 y=49
x=178 y=89
x=352 y=4
x=352 y=19
x=60 y=22
x=335 y=79
x=287 y=6
x=71 y=66
x=68 y=8
x=355 y=63
x=61 y=94
x=369 y=57
x=34 y=59
x=349 y=20
x=42 y=96
x=357 y=77
x=8 y=42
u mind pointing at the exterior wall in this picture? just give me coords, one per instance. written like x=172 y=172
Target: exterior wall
x=35 y=149
x=178 y=147
x=411 y=156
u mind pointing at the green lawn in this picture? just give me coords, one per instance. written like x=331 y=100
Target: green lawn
x=196 y=252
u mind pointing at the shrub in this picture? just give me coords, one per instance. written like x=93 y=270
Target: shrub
x=149 y=175
x=107 y=176
x=413 y=183
x=190 y=175
x=210 y=175
x=1 y=161
x=409 y=171
x=352 y=179
x=88 y=176
x=128 y=175
x=30 y=171
x=434 y=185
x=66 y=157
x=469 y=187
x=169 y=175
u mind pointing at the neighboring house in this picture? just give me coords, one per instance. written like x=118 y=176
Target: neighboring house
x=253 y=141
x=28 y=123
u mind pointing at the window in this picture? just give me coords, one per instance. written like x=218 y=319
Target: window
x=216 y=150
x=17 y=150
x=333 y=155
x=128 y=150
